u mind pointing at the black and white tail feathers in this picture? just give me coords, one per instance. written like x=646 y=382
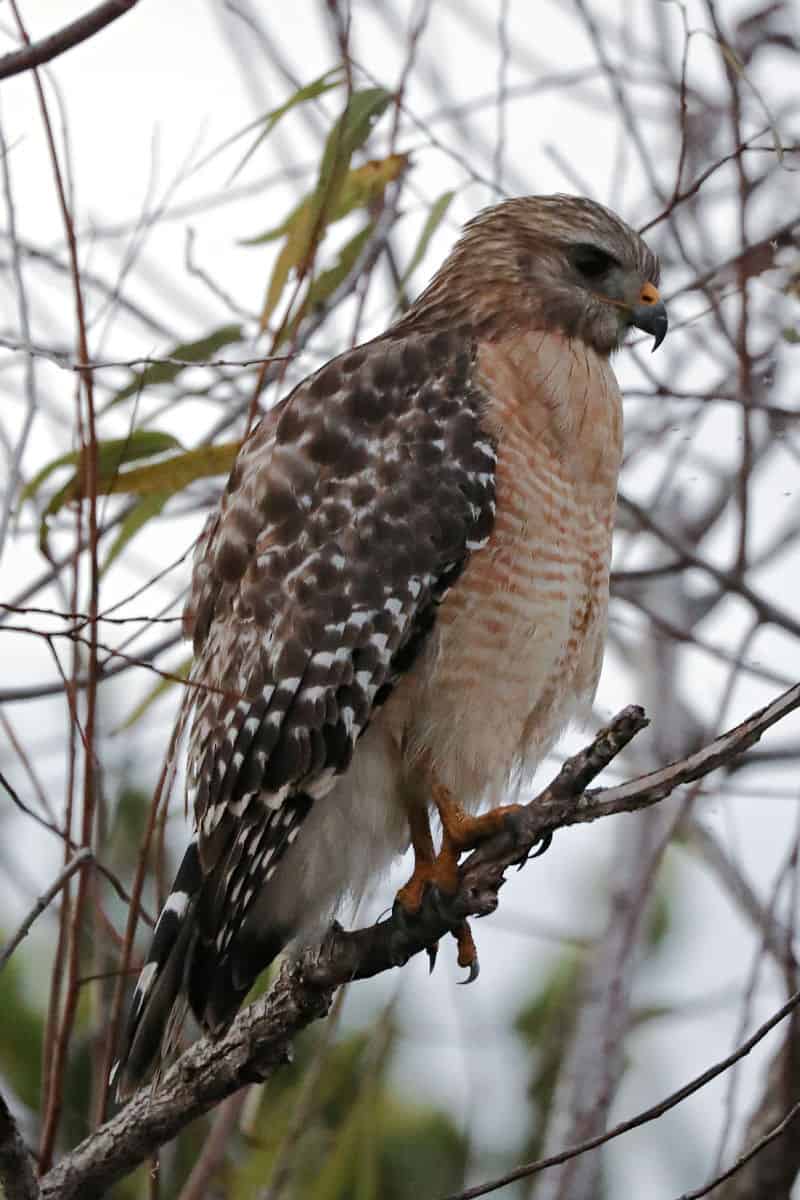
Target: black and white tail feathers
x=203 y=955
x=162 y=978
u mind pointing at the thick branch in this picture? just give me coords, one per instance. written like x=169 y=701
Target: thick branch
x=36 y=53
x=260 y=1039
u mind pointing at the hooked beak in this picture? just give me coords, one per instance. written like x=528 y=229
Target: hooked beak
x=650 y=315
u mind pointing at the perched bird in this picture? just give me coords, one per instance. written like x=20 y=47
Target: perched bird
x=400 y=600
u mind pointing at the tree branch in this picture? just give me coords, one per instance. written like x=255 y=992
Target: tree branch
x=36 y=53
x=260 y=1039
x=770 y=1158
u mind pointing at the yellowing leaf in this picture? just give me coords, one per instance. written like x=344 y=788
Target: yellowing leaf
x=140 y=443
x=174 y=474
x=157 y=481
x=337 y=192
x=361 y=187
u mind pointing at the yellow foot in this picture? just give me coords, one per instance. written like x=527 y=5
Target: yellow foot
x=464 y=832
x=467 y=953
x=442 y=873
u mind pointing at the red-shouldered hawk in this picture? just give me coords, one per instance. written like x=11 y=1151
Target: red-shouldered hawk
x=400 y=600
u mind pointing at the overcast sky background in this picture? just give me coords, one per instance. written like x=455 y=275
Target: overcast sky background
x=144 y=104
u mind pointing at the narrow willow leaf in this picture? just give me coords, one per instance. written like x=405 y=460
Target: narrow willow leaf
x=318 y=87
x=139 y=443
x=162 y=479
x=306 y=227
x=174 y=474
x=360 y=187
x=348 y=134
x=325 y=284
x=432 y=223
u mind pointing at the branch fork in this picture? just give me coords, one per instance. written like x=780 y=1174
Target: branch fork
x=260 y=1039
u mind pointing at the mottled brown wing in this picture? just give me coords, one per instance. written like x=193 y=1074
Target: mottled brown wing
x=344 y=519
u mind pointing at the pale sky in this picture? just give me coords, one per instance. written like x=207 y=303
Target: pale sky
x=145 y=103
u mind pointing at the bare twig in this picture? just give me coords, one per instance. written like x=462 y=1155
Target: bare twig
x=643 y=1118
x=37 y=53
x=772 y=1161
x=81 y=858
x=67 y=363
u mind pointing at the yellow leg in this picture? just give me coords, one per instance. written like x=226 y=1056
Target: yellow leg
x=460 y=832
x=463 y=832
x=429 y=868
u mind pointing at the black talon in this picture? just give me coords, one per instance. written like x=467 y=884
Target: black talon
x=432 y=951
x=474 y=972
x=543 y=844
x=538 y=849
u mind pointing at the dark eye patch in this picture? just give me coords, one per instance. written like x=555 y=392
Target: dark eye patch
x=591 y=261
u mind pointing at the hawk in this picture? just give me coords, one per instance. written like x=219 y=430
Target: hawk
x=400 y=600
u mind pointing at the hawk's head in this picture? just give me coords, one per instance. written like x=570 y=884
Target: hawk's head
x=558 y=262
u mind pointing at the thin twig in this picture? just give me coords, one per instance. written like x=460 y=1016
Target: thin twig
x=68 y=363
x=83 y=856
x=88 y=434
x=37 y=53
x=642 y=1118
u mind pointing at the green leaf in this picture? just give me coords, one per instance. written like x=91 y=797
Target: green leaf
x=360 y=187
x=318 y=87
x=350 y=132
x=326 y=283
x=432 y=223
x=337 y=192
x=133 y=522
x=157 y=481
x=174 y=474
x=188 y=352
x=792 y=336
x=139 y=443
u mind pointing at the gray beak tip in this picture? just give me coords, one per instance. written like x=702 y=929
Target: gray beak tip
x=651 y=318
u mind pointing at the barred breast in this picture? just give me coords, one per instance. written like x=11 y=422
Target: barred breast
x=519 y=640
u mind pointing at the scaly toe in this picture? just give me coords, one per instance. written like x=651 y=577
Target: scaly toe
x=467 y=952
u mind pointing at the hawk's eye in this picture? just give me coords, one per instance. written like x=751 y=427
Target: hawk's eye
x=591 y=261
